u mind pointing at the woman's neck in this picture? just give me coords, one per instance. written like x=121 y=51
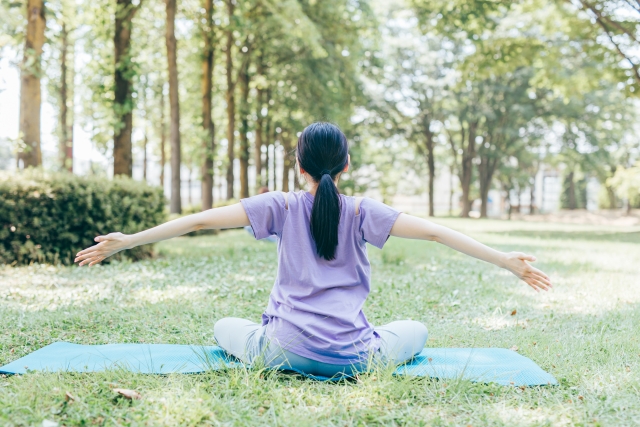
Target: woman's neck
x=312 y=189
x=312 y=186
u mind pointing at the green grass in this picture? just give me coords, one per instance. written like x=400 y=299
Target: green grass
x=586 y=332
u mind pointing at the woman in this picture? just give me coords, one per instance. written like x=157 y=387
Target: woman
x=314 y=321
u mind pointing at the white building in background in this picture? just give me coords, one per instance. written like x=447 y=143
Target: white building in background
x=546 y=196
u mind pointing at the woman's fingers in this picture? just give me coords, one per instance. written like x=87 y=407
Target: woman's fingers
x=530 y=283
x=87 y=250
x=86 y=255
x=533 y=277
x=97 y=260
x=87 y=259
x=534 y=281
x=540 y=276
x=92 y=260
x=544 y=279
x=91 y=249
x=533 y=284
x=540 y=272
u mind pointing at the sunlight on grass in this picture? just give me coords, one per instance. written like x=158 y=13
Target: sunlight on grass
x=585 y=332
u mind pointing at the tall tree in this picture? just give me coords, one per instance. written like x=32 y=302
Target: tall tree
x=67 y=73
x=243 y=80
x=257 y=155
x=163 y=135
x=231 y=99
x=430 y=144
x=287 y=163
x=30 y=95
x=464 y=147
x=510 y=106
x=208 y=140
x=145 y=126
x=267 y=144
x=174 y=105
x=123 y=83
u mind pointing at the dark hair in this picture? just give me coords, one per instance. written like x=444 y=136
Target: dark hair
x=323 y=152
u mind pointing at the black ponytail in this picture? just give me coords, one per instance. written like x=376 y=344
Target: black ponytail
x=323 y=152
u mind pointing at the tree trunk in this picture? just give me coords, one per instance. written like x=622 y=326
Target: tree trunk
x=486 y=169
x=189 y=187
x=174 y=133
x=257 y=155
x=542 y=191
x=163 y=133
x=450 y=190
x=144 y=127
x=274 y=165
x=123 y=102
x=432 y=171
x=145 y=161
x=258 y=150
x=66 y=100
x=572 y=192
x=532 y=197
x=231 y=102
x=467 y=167
x=286 y=159
x=244 y=126
x=507 y=199
x=611 y=196
x=431 y=163
x=30 y=96
x=208 y=142
x=267 y=143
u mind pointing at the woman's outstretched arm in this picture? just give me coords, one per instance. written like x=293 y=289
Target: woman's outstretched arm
x=225 y=217
x=411 y=227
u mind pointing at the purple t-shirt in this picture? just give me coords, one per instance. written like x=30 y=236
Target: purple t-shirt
x=315 y=306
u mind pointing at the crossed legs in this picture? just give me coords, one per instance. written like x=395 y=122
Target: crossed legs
x=399 y=342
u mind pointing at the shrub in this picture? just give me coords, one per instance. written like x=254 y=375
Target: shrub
x=49 y=217
x=626 y=181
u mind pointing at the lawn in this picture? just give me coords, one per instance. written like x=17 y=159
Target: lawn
x=586 y=332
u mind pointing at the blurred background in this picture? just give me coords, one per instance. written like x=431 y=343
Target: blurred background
x=461 y=108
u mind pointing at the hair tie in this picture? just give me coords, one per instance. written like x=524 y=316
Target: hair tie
x=325 y=172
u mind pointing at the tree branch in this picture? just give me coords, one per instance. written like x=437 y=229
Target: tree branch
x=634 y=66
x=602 y=18
x=633 y=5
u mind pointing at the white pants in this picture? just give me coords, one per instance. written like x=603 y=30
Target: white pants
x=246 y=340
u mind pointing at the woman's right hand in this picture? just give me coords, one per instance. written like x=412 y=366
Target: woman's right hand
x=107 y=245
x=518 y=264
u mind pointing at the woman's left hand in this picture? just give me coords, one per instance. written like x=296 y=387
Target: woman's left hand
x=107 y=245
x=518 y=264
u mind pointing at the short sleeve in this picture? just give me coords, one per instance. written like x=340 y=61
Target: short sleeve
x=376 y=221
x=266 y=213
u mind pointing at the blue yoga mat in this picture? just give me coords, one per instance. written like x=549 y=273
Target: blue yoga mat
x=484 y=365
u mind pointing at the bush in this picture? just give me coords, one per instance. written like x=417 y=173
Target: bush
x=49 y=217
x=626 y=181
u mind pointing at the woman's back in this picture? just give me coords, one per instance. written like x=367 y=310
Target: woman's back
x=314 y=320
x=315 y=307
